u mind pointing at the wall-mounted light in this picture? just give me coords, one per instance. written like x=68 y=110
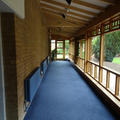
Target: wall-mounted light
x=69 y=1
x=63 y=15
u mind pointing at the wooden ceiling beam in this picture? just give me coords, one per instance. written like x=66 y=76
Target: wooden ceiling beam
x=86 y=4
x=78 y=24
x=81 y=22
x=70 y=7
x=110 y=12
x=108 y=1
x=55 y=36
x=64 y=11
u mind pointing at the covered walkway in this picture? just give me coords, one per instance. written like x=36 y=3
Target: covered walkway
x=64 y=95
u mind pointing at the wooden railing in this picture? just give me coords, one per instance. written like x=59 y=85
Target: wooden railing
x=71 y=56
x=110 y=79
x=80 y=62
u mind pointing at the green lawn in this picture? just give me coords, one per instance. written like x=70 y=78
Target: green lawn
x=116 y=60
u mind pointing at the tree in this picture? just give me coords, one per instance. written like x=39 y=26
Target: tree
x=111 y=46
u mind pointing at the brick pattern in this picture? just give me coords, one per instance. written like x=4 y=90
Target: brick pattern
x=25 y=46
x=31 y=47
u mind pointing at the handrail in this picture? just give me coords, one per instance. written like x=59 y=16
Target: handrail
x=108 y=71
x=80 y=58
x=106 y=68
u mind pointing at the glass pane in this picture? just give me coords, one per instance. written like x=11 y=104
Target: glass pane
x=95 y=50
x=60 y=51
x=52 y=45
x=112 y=51
x=66 y=48
x=59 y=44
x=79 y=49
x=83 y=49
x=59 y=56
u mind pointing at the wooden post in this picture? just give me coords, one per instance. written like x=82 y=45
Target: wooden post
x=108 y=79
x=63 y=49
x=56 y=48
x=117 y=85
x=101 y=54
x=95 y=73
x=91 y=69
x=86 y=53
x=76 y=50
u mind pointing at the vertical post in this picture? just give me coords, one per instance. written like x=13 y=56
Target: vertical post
x=108 y=79
x=63 y=49
x=101 y=54
x=86 y=53
x=91 y=69
x=95 y=73
x=117 y=85
x=76 y=51
x=81 y=48
x=56 y=48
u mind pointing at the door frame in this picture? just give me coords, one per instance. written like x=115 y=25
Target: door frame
x=63 y=49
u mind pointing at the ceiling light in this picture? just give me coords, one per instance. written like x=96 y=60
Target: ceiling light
x=69 y=1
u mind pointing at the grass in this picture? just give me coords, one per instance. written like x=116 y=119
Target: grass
x=116 y=60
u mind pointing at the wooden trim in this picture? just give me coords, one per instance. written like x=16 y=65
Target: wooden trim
x=118 y=74
x=91 y=69
x=78 y=20
x=95 y=72
x=117 y=85
x=109 y=13
x=108 y=1
x=70 y=7
x=86 y=53
x=93 y=6
x=108 y=79
x=101 y=56
x=44 y=6
x=64 y=49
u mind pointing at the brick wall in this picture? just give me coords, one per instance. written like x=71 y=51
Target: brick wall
x=31 y=47
x=25 y=46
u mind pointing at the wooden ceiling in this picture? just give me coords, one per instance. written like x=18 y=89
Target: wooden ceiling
x=77 y=15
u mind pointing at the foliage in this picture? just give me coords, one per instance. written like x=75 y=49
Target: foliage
x=111 y=46
x=96 y=46
x=116 y=60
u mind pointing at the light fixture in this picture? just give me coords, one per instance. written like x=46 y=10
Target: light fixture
x=69 y=1
x=63 y=15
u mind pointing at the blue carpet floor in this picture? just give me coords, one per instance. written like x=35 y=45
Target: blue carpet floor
x=64 y=95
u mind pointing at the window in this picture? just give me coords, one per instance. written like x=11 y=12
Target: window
x=81 y=54
x=95 y=49
x=52 y=45
x=59 y=49
x=66 y=48
x=83 y=49
x=112 y=50
x=111 y=57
